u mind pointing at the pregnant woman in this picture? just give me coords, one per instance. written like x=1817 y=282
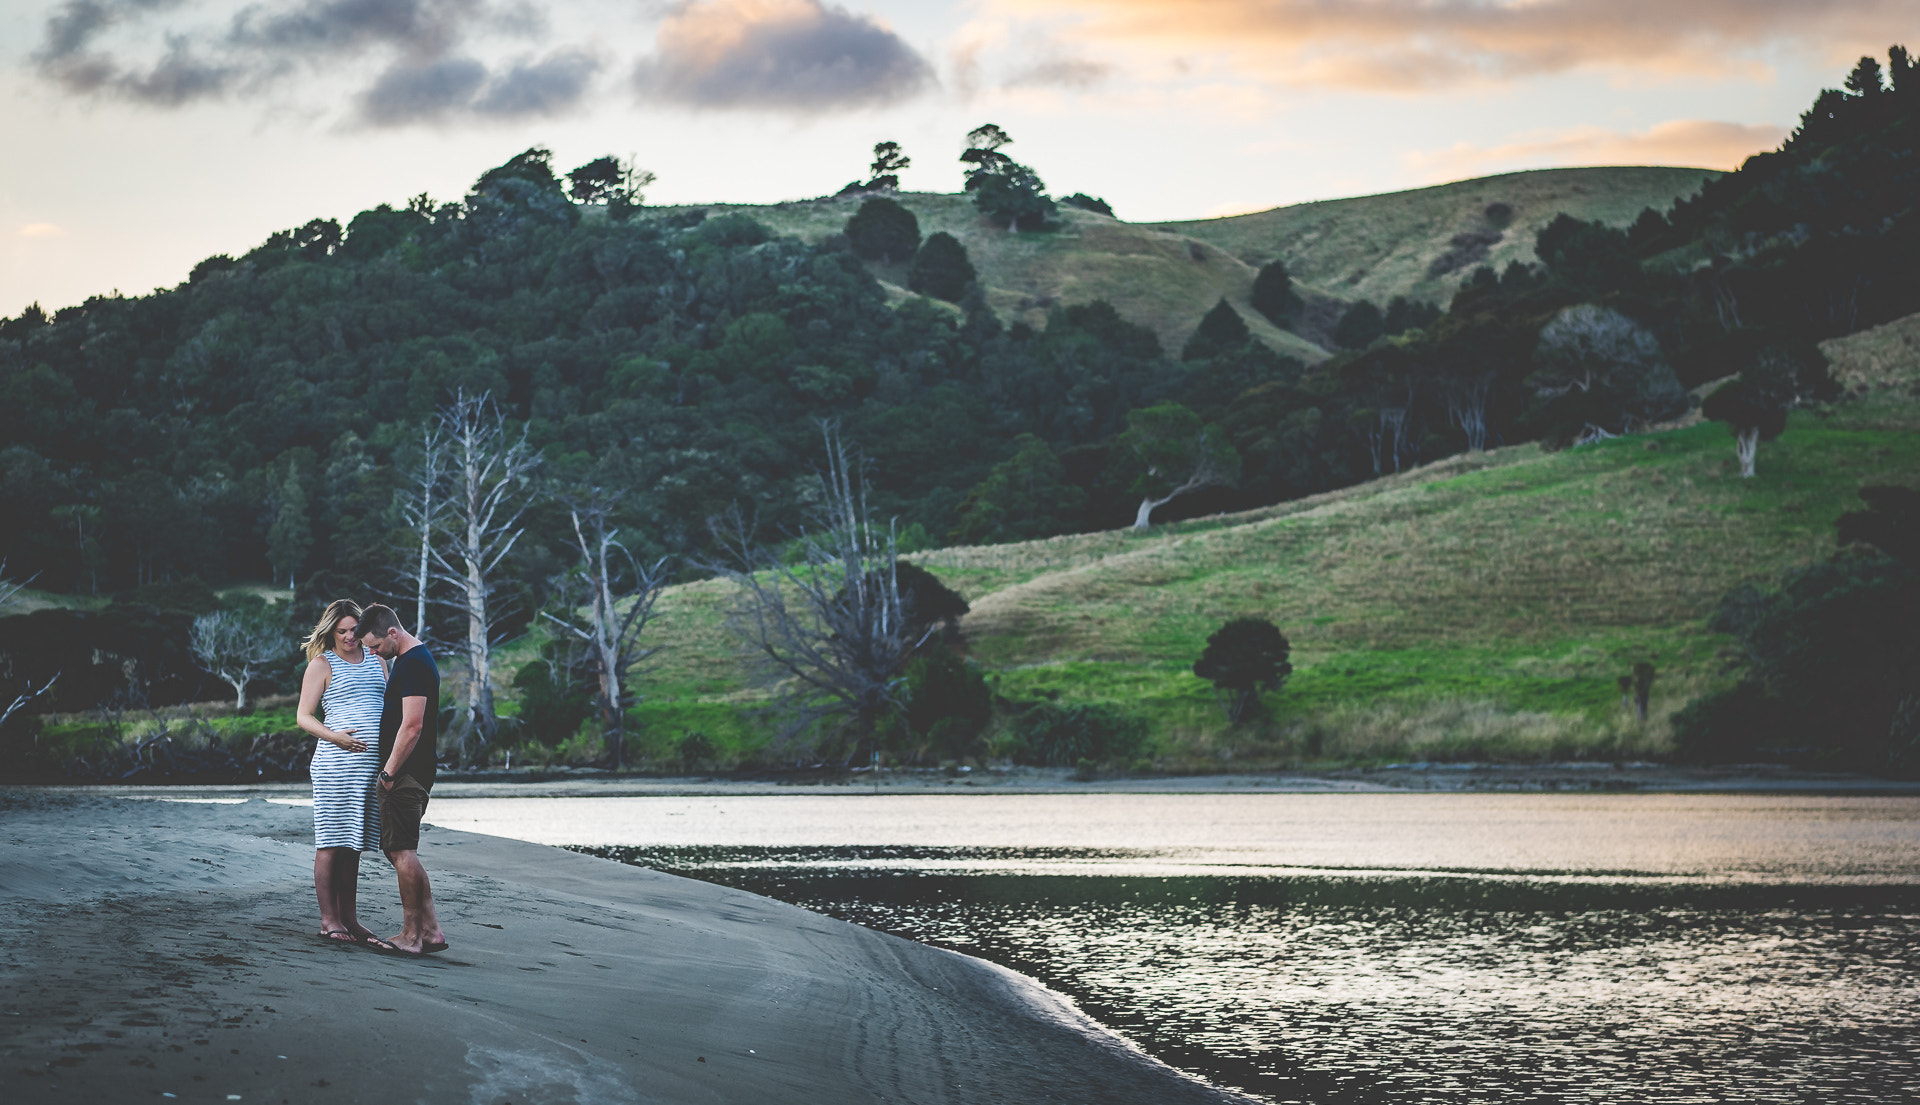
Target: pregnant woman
x=348 y=684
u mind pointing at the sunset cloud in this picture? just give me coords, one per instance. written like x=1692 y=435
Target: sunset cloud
x=42 y=230
x=1416 y=45
x=783 y=55
x=1692 y=142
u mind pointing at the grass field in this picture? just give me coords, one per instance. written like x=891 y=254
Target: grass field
x=1481 y=607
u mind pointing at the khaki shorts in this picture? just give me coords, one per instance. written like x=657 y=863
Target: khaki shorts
x=400 y=812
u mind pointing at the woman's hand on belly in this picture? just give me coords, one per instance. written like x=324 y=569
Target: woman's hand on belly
x=345 y=739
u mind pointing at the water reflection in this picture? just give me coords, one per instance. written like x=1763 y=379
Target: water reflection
x=1349 y=986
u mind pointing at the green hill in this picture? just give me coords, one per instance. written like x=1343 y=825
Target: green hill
x=1480 y=607
x=1166 y=276
x=1424 y=242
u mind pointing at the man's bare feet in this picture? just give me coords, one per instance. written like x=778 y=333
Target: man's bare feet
x=420 y=945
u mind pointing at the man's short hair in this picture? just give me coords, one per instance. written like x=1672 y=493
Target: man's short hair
x=375 y=620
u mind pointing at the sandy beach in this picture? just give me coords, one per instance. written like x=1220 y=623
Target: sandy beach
x=167 y=950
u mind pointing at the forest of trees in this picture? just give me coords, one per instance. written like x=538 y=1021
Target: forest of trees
x=257 y=421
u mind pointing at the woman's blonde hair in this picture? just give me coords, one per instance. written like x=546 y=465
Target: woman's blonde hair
x=321 y=639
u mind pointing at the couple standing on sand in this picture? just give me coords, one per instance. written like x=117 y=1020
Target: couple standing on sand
x=368 y=675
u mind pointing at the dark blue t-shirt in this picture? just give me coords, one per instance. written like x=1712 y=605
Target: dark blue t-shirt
x=414 y=675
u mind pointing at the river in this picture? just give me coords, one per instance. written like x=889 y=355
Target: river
x=1336 y=948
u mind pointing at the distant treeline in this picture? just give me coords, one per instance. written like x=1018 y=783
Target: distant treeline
x=249 y=423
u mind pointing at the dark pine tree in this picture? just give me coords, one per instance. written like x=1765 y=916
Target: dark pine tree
x=1273 y=294
x=1221 y=331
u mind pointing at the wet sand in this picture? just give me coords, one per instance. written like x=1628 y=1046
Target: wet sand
x=166 y=950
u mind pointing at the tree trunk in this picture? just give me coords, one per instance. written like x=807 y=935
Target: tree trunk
x=426 y=543
x=607 y=655
x=1142 y=518
x=479 y=664
x=239 y=693
x=1746 y=444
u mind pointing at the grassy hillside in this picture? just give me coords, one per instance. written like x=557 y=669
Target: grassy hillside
x=1480 y=607
x=1154 y=278
x=1885 y=358
x=1423 y=243
x=1168 y=275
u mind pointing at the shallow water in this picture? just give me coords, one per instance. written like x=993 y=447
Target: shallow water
x=1374 y=948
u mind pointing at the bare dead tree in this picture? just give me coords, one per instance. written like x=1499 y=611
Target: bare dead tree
x=234 y=648
x=1387 y=438
x=828 y=619
x=9 y=590
x=488 y=470
x=1467 y=409
x=25 y=697
x=619 y=609
x=423 y=505
x=9 y=593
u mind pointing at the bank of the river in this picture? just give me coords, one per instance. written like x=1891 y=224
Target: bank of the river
x=165 y=949
x=1472 y=777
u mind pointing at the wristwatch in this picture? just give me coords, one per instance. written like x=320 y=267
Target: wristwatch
x=384 y=777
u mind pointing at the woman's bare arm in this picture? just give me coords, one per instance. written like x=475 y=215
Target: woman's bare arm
x=312 y=685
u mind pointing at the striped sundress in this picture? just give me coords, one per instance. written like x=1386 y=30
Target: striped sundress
x=346 y=808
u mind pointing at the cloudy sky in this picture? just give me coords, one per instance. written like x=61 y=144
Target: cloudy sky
x=143 y=135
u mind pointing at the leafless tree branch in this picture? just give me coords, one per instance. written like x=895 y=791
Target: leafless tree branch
x=617 y=617
x=488 y=470
x=828 y=619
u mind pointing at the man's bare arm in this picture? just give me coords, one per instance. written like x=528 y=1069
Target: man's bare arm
x=413 y=718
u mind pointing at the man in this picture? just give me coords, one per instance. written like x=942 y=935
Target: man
x=408 y=744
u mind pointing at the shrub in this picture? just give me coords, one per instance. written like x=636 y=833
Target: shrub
x=948 y=704
x=695 y=750
x=551 y=709
x=1831 y=662
x=1089 y=203
x=1047 y=734
x=1725 y=727
x=941 y=268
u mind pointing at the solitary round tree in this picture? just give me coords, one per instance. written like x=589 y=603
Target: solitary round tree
x=883 y=231
x=1243 y=658
x=1751 y=414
